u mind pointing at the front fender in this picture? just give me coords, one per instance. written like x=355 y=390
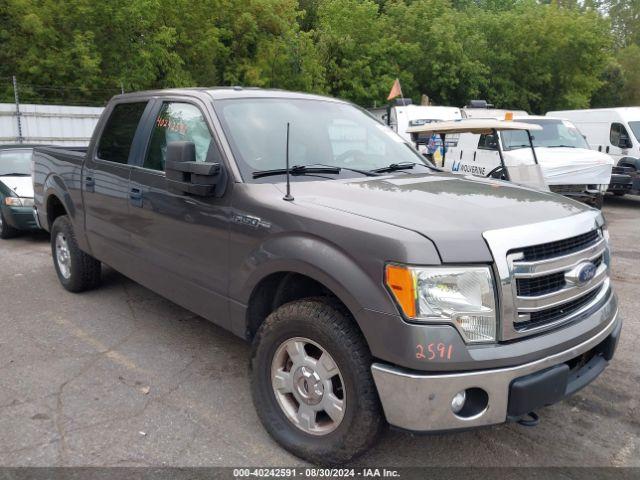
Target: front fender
x=320 y=260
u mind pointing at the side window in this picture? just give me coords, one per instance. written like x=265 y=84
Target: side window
x=488 y=142
x=179 y=122
x=119 y=131
x=617 y=129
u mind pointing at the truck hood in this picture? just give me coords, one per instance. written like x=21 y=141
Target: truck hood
x=567 y=166
x=20 y=185
x=451 y=210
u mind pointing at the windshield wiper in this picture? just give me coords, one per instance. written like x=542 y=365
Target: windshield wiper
x=311 y=169
x=15 y=174
x=560 y=146
x=296 y=170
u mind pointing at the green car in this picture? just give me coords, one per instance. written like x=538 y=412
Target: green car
x=16 y=190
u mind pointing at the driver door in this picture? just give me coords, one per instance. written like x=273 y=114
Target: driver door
x=181 y=240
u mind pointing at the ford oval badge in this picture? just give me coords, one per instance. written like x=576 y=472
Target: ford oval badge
x=586 y=272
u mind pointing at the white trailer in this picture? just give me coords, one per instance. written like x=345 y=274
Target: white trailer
x=47 y=124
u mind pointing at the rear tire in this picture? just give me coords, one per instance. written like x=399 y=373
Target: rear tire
x=77 y=270
x=6 y=230
x=341 y=382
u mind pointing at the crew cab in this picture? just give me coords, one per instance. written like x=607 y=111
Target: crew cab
x=374 y=288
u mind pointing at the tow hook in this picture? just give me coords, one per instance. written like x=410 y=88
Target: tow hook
x=531 y=419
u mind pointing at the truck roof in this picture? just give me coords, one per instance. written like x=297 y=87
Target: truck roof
x=222 y=93
x=627 y=113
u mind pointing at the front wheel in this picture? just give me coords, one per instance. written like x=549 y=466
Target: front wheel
x=77 y=270
x=311 y=382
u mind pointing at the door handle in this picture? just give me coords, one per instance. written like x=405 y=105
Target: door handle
x=89 y=183
x=600 y=148
x=135 y=197
x=474 y=156
x=607 y=149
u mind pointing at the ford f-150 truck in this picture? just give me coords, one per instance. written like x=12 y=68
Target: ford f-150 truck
x=375 y=289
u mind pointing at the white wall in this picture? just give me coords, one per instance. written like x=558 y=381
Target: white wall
x=48 y=124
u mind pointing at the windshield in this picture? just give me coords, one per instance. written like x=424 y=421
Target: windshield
x=635 y=128
x=321 y=133
x=554 y=134
x=15 y=162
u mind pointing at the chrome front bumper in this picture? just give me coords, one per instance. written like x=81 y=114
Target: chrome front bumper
x=423 y=402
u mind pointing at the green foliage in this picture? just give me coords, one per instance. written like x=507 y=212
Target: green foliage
x=534 y=55
x=629 y=59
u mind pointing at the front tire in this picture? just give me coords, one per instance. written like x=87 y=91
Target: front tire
x=6 y=230
x=311 y=382
x=77 y=270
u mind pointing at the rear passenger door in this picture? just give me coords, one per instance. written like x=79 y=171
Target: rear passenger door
x=180 y=240
x=105 y=184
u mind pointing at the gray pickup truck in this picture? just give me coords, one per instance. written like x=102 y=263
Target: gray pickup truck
x=375 y=290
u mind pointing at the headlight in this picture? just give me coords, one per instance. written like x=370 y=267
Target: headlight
x=462 y=296
x=18 y=202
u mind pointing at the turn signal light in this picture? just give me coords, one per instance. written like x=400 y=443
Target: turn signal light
x=400 y=281
x=508 y=116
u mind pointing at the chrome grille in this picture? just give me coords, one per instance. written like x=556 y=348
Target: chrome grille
x=543 y=317
x=561 y=247
x=546 y=289
x=535 y=286
x=537 y=267
x=567 y=188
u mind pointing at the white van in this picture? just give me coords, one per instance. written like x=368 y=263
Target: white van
x=568 y=166
x=614 y=131
x=403 y=115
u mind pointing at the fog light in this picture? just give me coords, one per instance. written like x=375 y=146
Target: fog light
x=458 y=401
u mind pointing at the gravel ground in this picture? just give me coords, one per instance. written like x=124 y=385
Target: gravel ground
x=120 y=376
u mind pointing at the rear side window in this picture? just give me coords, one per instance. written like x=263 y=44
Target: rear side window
x=119 y=131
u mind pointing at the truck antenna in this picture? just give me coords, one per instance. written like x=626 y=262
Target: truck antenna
x=288 y=196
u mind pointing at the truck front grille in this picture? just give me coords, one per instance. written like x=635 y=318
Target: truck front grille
x=543 y=317
x=561 y=247
x=546 y=289
x=535 y=286
x=563 y=189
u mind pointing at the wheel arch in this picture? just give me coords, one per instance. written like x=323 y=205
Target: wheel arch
x=629 y=162
x=300 y=266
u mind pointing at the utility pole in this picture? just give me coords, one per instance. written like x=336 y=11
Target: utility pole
x=17 y=99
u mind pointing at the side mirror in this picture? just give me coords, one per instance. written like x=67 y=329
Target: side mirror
x=185 y=175
x=624 y=141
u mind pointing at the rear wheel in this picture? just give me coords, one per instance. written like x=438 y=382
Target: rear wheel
x=312 y=383
x=6 y=230
x=77 y=270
